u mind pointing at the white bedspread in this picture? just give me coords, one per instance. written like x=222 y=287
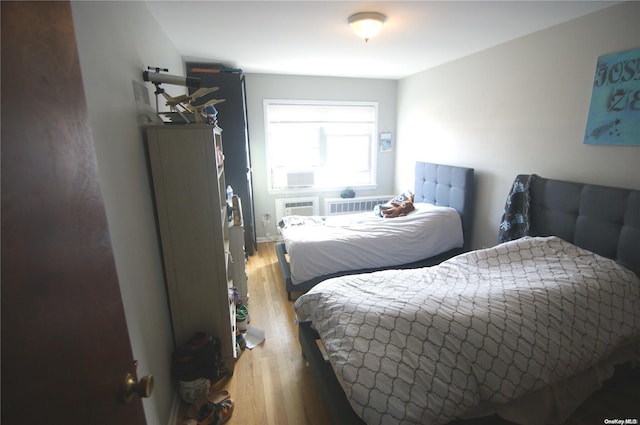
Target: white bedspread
x=423 y=346
x=322 y=245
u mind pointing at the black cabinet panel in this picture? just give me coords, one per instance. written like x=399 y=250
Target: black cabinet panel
x=232 y=118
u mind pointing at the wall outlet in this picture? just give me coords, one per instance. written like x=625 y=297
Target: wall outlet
x=266 y=218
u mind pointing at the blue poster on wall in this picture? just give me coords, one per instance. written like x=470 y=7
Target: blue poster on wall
x=614 y=114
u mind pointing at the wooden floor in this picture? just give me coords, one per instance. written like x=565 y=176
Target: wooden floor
x=272 y=385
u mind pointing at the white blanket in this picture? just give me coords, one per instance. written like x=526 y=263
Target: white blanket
x=319 y=246
x=424 y=346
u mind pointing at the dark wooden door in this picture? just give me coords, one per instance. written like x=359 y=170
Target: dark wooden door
x=65 y=345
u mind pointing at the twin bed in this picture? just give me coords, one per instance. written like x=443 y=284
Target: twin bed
x=526 y=329
x=317 y=248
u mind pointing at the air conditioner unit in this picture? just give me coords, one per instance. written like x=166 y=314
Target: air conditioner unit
x=300 y=178
x=297 y=206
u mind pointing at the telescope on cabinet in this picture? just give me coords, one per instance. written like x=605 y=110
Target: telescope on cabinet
x=157 y=78
x=201 y=113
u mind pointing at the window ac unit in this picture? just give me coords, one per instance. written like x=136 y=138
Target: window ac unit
x=300 y=178
x=308 y=205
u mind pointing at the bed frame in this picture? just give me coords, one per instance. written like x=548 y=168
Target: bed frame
x=438 y=184
x=604 y=220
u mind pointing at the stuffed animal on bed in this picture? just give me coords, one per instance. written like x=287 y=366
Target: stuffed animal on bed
x=393 y=203
x=399 y=210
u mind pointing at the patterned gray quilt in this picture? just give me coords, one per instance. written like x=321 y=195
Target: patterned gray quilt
x=423 y=346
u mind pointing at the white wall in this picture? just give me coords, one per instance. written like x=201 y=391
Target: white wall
x=518 y=108
x=268 y=86
x=116 y=41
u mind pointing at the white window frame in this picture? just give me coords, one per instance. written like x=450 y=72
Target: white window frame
x=373 y=148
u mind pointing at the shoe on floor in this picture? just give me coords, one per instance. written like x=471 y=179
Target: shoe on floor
x=216 y=413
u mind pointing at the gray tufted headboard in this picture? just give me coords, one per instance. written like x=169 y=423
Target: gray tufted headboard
x=601 y=219
x=449 y=186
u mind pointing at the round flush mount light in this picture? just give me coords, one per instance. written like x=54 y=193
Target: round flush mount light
x=366 y=24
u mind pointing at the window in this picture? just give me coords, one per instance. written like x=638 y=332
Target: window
x=320 y=145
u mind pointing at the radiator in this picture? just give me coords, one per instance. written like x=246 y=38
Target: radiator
x=297 y=206
x=337 y=206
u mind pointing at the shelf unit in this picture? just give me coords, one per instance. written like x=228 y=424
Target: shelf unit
x=238 y=255
x=191 y=209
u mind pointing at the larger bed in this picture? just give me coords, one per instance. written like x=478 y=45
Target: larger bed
x=502 y=330
x=318 y=248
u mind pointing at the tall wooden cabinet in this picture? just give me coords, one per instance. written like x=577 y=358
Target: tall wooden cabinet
x=233 y=118
x=189 y=187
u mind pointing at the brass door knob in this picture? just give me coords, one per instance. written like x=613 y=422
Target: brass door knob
x=132 y=387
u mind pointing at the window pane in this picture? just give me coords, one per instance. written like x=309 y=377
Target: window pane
x=321 y=113
x=348 y=153
x=332 y=142
x=294 y=144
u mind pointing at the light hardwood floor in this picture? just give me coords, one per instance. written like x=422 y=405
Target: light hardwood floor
x=272 y=384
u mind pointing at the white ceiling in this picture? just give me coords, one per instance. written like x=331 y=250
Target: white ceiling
x=313 y=38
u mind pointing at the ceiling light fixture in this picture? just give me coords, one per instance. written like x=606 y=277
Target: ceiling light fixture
x=366 y=24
